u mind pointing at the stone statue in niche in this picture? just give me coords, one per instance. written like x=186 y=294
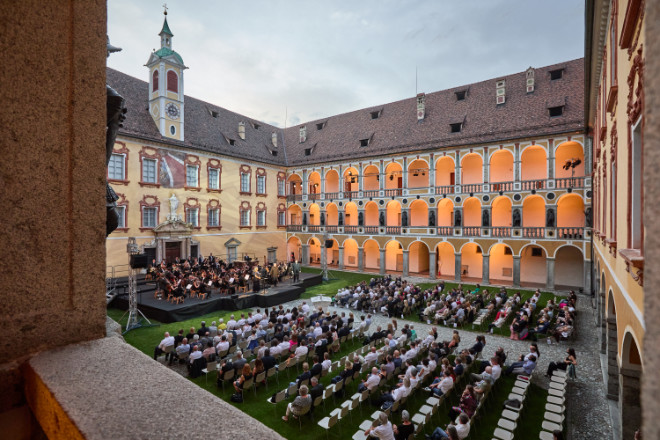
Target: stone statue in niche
x=323 y=219
x=516 y=218
x=404 y=218
x=457 y=218
x=485 y=218
x=550 y=218
x=304 y=218
x=360 y=219
x=116 y=113
x=587 y=217
x=174 y=204
x=432 y=218
x=381 y=218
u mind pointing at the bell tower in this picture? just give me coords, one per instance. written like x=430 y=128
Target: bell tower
x=166 y=98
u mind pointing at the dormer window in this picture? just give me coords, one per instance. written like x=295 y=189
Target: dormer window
x=231 y=142
x=320 y=126
x=375 y=115
x=214 y=114
x=364 y=142
x=460 y=95
x=556 y=74
x=556 y=111
x=256 y=126
x=308 y=151
x=457 y=127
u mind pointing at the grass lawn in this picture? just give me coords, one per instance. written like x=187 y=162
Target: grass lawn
x=146 y=338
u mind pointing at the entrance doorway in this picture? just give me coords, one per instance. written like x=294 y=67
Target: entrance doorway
x=172 y=251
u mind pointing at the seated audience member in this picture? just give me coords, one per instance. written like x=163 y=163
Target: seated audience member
x=398 y=392
x=405 y=429
x=316 y=388
x=245 y=375
x=168 y=341
x=239 y=362
x=569 y=360
x=371 y=382
x=441 y=386
x=268 y=360
x=527 y=367
x=381 y=428
x=462 y=430
x=183 y=350
x=300 y=405
x=468 y=403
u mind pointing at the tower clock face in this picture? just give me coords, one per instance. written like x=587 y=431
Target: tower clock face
x=172 y=110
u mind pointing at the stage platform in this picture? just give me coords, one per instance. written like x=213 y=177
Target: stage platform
x=167 y=312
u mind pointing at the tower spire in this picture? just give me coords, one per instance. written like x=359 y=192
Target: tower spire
x=165 y=33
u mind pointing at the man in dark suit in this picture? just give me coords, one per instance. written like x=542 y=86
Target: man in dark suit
x=317 y=368
x=316 y=389
x=268 y=360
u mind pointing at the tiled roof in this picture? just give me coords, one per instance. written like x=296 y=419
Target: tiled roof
x=396 y=130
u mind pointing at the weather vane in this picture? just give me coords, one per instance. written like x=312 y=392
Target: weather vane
x=165 y=7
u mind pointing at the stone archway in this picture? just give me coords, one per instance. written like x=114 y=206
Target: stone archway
x=612 y=347
x=629 y=385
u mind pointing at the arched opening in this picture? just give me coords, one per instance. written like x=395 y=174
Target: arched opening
x=533 y=212
x=332 y=253
x=569 y=268
x=612 y=350
x=533 y=163
x=295 y=184
x=393 y=210
x=294 y=247
x=351 y=180
x=472 y=169
x=314 y=182
x=445 y=172
x=393 y=176
x=445 y=260
x=570 y=211
x=371 y=214
x=500 y=264
x=631 y=376
x=172 y=81
x=418 y=174
x=314 y=251
x=154 y=81
x=371 y=255
x=533 y=267
x=394 y=256
x=472 y=212
x=350 y=253
x=501 y=166
x=350 y=214
x=565 y=154
x=294 y=213
x=472 y=262
x=332 y=181
x=501 y=212
x=331 y=215
x=418 y=258
x=419 y=213
x=445 y=213
x=371 y=178
x=314 y=215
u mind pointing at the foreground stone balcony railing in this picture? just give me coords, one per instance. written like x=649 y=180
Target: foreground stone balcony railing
x=560 y=183
x=542 y=233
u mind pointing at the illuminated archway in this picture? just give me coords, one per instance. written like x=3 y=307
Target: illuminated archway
x=351 y=179
x=445 y=212
x=534 y=163
x=533 y=212
x=533 y=266
x=472 y=169
x=294 y=215
x=501 y=212
x=332 y=253
x=393 y=176
x=445 y=171
x=295 y=184
x=418 y=174
x=472 y=212
x=371 y=178
x=371 y=254
x=445 y=260
x=314 y=215
x=331 y=215
x=570 y=211
x=350 y=253
x=501 y=166
x=419 y=213
x=314 y=182
x=331 y=181
x=351 y=214
x=500 y=263
x=294 y=246
x=393 y=210
x=472 y=261
x=371 y=214
x=569 y=267
x=314 y=251
x=394 y=256
x=566 y=153
x=418 y=257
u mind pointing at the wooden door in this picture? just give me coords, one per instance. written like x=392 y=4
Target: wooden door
x=172 y=251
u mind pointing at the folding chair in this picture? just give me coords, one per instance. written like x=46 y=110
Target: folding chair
x=210 y=366
x=328 y=422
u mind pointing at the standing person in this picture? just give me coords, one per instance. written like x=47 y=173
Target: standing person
x=296 y=271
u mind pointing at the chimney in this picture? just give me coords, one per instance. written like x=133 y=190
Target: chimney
x=500 y=91
x=421 y=107
x=303 y=134
x=530 y=79
x=241 y=130
x=273 y=138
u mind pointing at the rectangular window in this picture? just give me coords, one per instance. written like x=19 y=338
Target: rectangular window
x=116 y=167
x=556 y=74
x=149 y=216
x=192 y=216
x=281 y=187
x=460 y=96
x=364 y=142
x=281 y=218
x=636 y=225
x=245 y=218
x=261 y=218
x=261 y=184
x=191 y=176
x=456 y=128
x=232 y=253
x=121 y=211
x=245 y=182
x=214 y=178
x=214 y=217
x=556 y=111
x=149 y=170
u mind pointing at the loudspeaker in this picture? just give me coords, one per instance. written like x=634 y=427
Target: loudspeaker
x=328 y=244
x=139 y=261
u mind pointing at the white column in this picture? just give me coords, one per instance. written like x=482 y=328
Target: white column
x=405 y=263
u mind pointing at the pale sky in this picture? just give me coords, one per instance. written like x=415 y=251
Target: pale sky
x=311 y=59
